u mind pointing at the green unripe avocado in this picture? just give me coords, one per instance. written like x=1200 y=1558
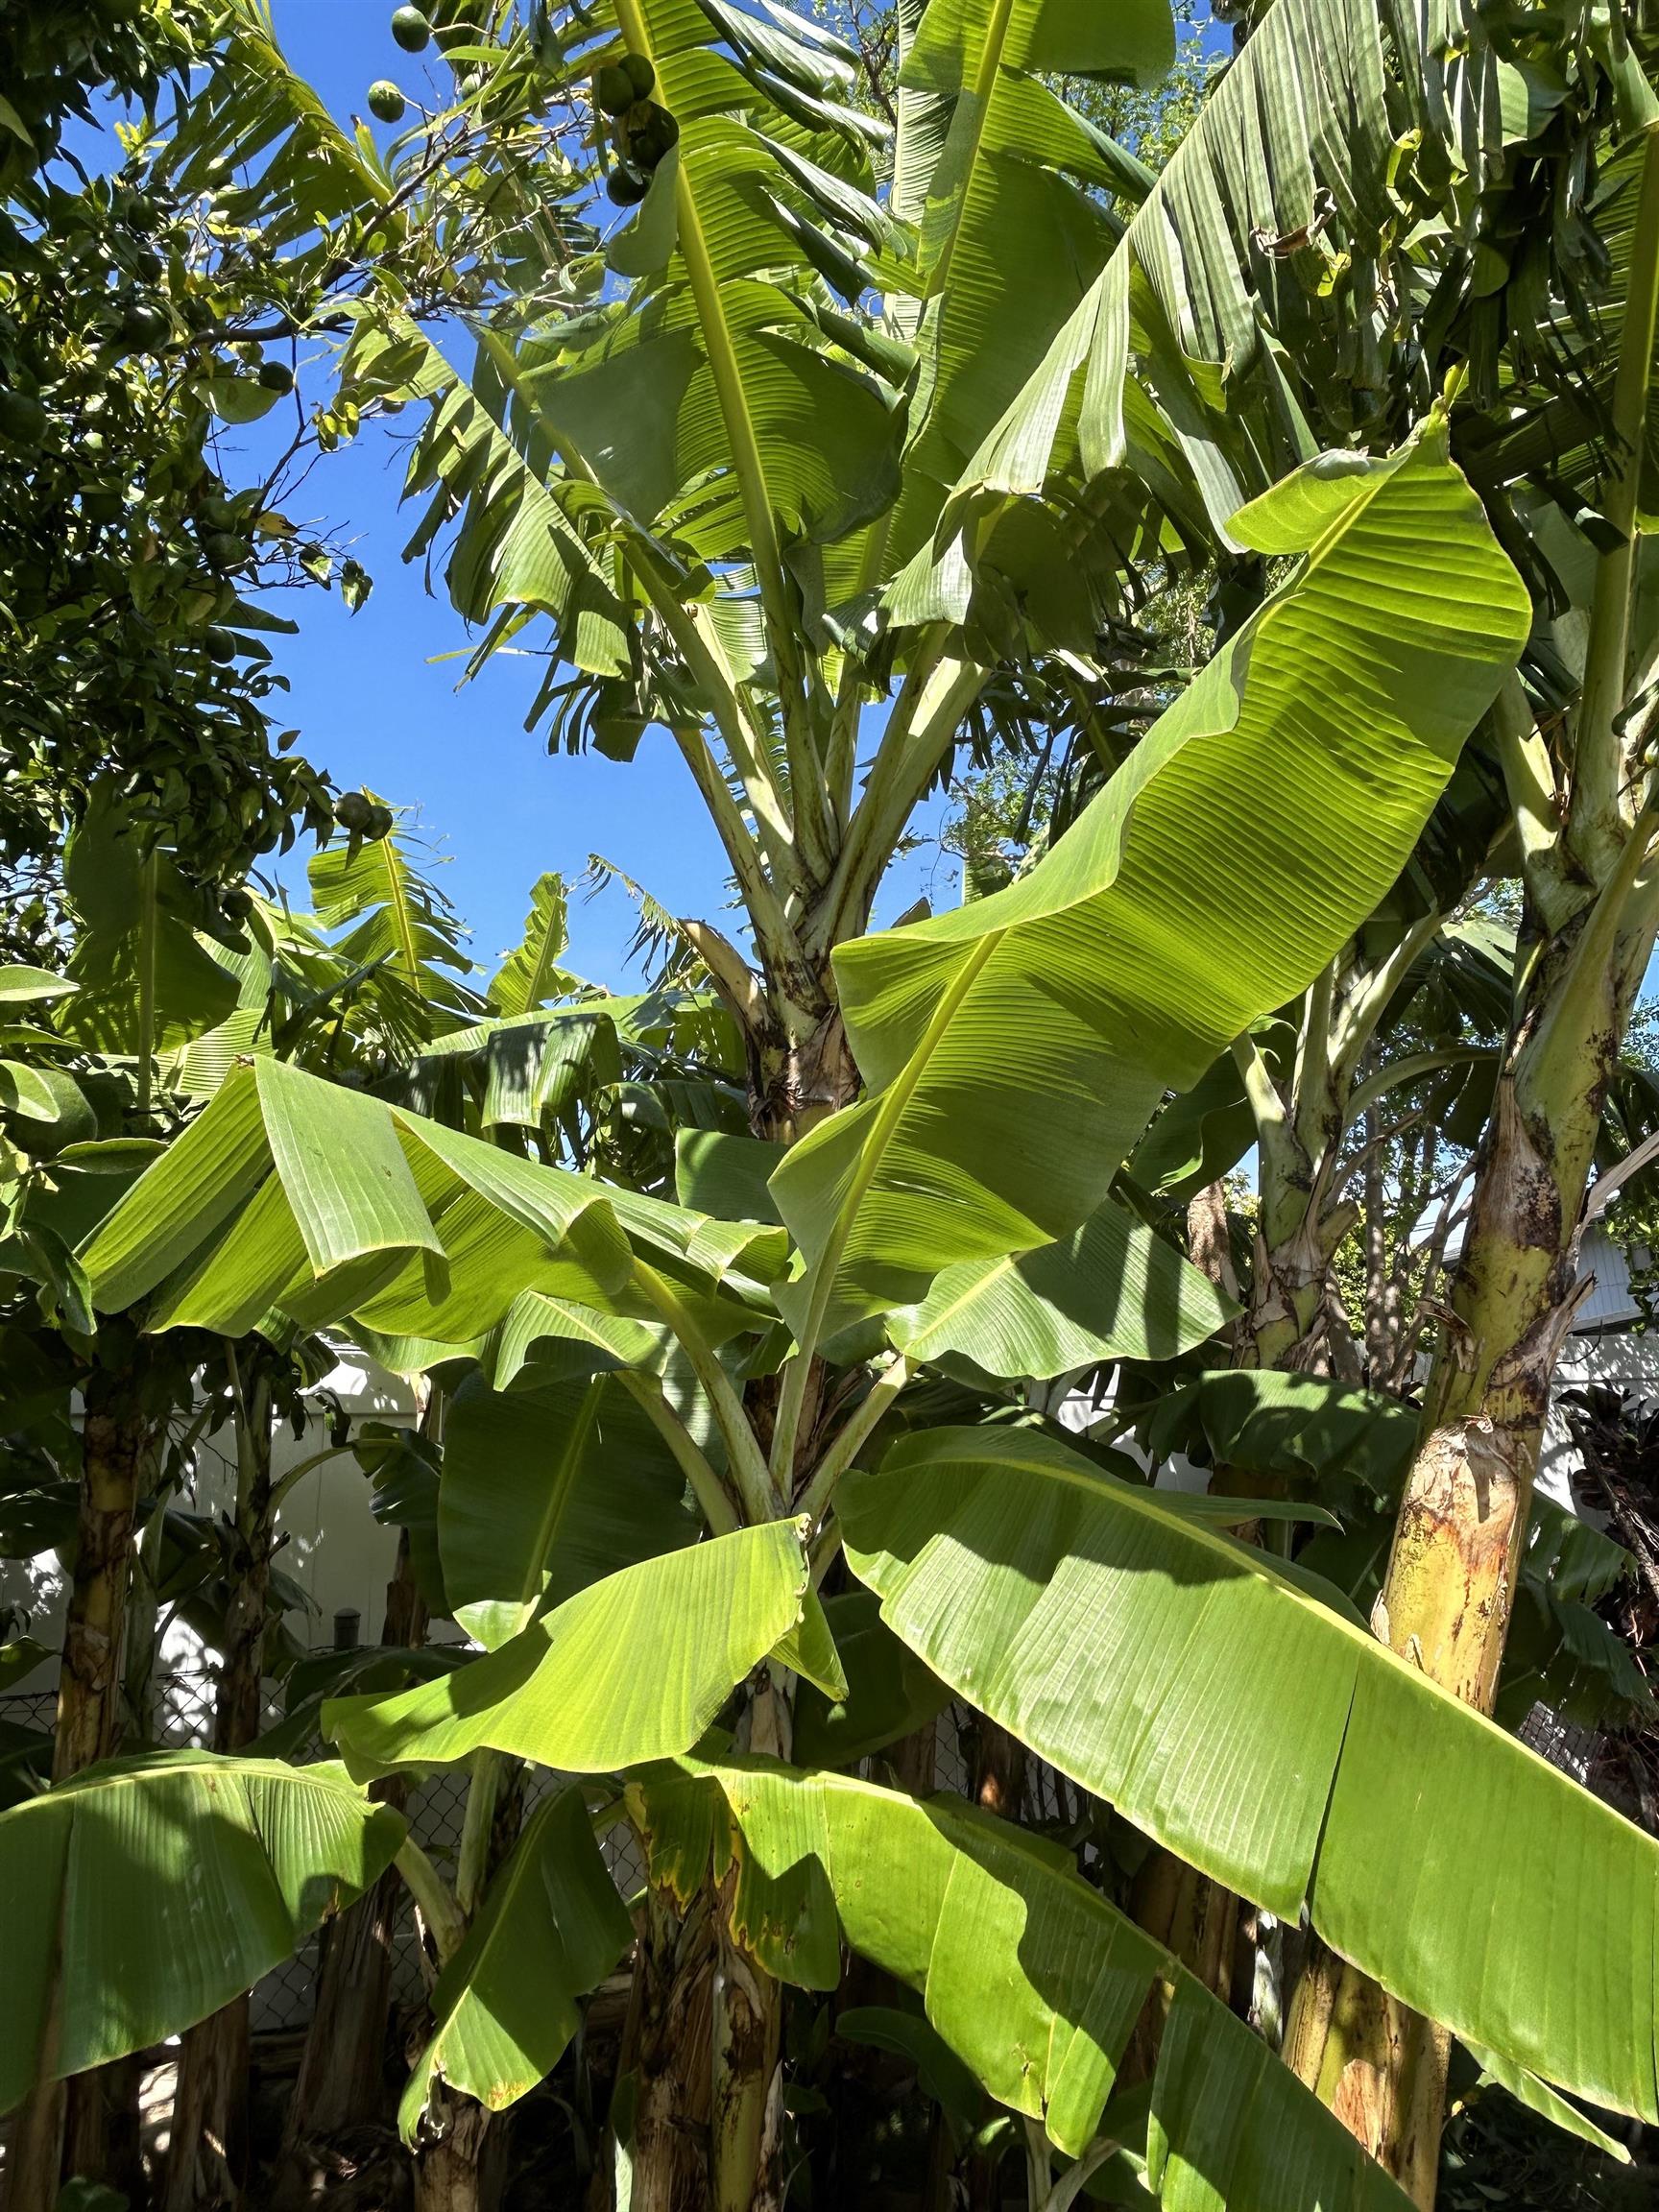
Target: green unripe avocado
x=614 y=91
x=22 y=418
x=276 y=376
x=386 y=101
x=354 y=812
x=641 y=74
x=220 y=644
x=102 y=503
x=625 y=189
x=142 y=327
x=411 y=29
x=225 y=549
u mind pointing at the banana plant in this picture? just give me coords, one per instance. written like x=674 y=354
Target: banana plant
x=1196 y=332
x=1145 y=938
x=706 y=481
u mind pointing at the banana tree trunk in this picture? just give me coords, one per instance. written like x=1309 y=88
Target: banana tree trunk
x=672 y=2015
x=342 y=2075
x=451 y=2174
x=66 y=2126
x=207 y=2150
x=1450 y=1586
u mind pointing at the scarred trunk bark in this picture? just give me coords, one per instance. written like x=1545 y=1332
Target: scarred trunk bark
x=673 y=2074
x=1450 y=1586
x=207 y=2150
x=66 y=2126
x=451 y=2172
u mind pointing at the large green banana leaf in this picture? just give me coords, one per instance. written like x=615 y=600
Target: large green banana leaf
x=292 y=1193
x=504 y=2006
x=635 y=1667
x=142 y=1895
x=1270 y=237
x=1030 y=1976
x=1266 y=1739
x=544 y=1491
x=1111 y=1290
x=713 y=404
x=1014 y=1050
x=1013 y=221
x=141 y=978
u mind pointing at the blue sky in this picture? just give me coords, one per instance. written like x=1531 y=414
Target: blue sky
x=376 y=702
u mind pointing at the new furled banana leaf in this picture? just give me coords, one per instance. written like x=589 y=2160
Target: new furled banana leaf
x=1212 y=1695
x=1028 y=1974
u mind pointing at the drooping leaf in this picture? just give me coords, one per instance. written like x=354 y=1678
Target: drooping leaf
x=1213 y=1696
x=889 y=1691
x=145 y=1893
x=292 y=1193
x=1032 y=1978
x=632 y=1668
x=505 y=2005
x=1111 y=1290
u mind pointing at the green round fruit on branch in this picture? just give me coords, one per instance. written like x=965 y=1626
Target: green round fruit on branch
x=276 y=376
x=379 y=823
x=220 y=644
x=102 y=503
x=141 y=211
x=386 y=101
x=148 y=264
x=641 y=74
x=411 y=29
x=237 y=903
x=625 y=189
x=22 y=418
x=614 y=91
x=225 y=549
x=354 y=810
x=142 y=327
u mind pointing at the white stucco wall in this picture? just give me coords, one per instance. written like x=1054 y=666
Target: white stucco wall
x=351 y=1568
